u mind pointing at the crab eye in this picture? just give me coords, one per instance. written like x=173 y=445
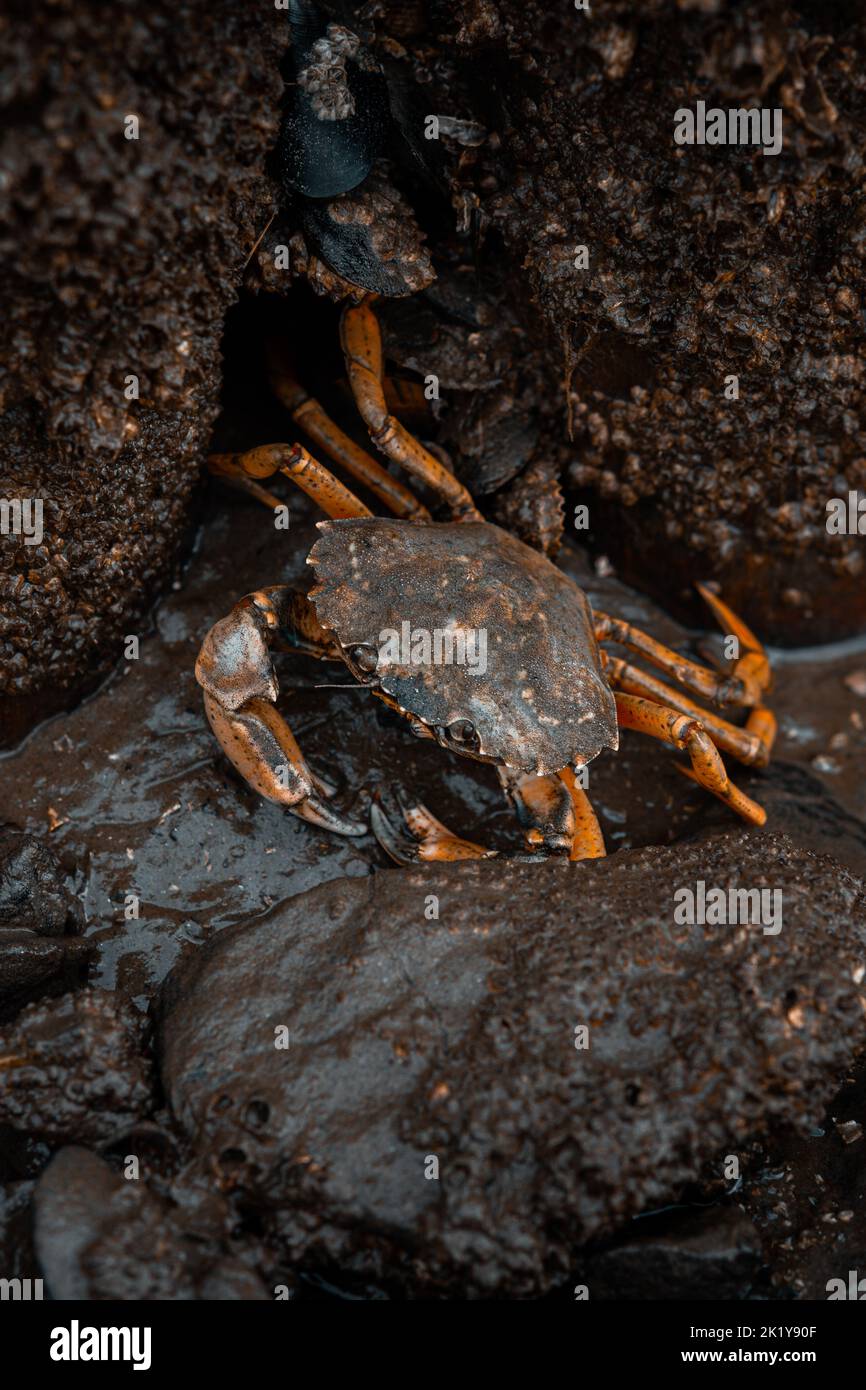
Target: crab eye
x=367 y=658
x=463 y=731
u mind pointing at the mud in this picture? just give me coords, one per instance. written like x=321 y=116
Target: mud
x=72 y=1069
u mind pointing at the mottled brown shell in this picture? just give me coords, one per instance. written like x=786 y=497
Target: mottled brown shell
x=542 y=703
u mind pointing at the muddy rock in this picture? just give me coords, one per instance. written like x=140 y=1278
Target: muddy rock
x=333 y=1057
x=72 y=1069
x=102 y=1236
x=39 y=919
x=123 y=255
x=33 y=965
x=710 y=1254
x=33 y=891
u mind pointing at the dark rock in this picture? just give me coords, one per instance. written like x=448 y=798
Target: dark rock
x=31 y=965
x=33 y=892
x=709 y=1254
x=704 y=262
x=123 y=256
x=102 y=1236
x=71 y=1069
x=413 y=1039
x=16 y=1234
x=36 y=908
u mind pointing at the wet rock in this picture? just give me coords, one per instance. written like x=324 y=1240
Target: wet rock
x=709 y=1254
x=72 y=1069
x=31 y=965
x=805 y=1195
x=33 y=892
x=36 y=909
x=124 y=254
x=102 y=1236
x=16 y=1234
x=412 y=1041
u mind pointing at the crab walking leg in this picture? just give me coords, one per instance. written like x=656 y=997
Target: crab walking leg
x=314 y=421
x=588 y=839
x=293 y=460
x=428 y=839
x=687 y=733
x=752 y=744
x=744 y=686
x=361 y=340
x=235 y=671
x=223 y=466
x=753 y=669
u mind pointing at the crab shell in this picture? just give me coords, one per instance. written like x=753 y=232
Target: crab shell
x=542 y=702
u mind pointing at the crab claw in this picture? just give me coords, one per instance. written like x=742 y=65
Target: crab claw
x=240 y=690
x=421 y=838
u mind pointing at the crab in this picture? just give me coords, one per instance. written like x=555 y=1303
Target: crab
x=549 y=698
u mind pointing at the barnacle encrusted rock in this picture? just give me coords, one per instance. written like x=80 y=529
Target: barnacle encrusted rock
x=703 y=263
x=121 y=256
x=407 y=1095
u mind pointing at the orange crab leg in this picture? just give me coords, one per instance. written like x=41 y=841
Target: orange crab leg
x=740 y=688
x=361 y=340
x=588 y=838
x=293 y=460
x=428 y=841
x=687 y=733
x=237 y=677
x=751 y=745
x=225 y=466
x=306 y=411
x=753 y=669
x=544 y=807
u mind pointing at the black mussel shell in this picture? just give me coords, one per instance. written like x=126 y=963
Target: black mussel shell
x=347 y=249
x=320 y=157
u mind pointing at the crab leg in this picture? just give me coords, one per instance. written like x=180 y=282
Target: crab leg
x=738 y=688
x=554 y=813
x=751 y=745
x=648 y=717
x=235 y=671
x=588 y=839
x=293 y=460
x=224 y=466
x=361 y=340
x=313 y=419
x=428 y=839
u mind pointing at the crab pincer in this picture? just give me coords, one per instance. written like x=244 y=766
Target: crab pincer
x=235 y=670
